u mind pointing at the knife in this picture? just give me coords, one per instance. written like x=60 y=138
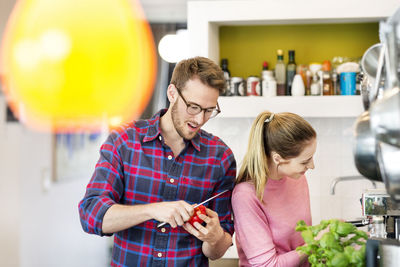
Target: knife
x=205 y=201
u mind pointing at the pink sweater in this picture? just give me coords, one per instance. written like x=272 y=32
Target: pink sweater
x=265 y=233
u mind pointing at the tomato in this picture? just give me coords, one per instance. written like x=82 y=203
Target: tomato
x=195 y=217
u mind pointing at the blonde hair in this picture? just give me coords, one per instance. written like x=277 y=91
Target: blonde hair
x=286 y=134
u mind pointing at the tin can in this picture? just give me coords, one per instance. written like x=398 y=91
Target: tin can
x=237 y=86
x=253 y=86
x=348 y=83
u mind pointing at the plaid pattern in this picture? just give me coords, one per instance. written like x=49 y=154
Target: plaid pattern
x=136 y=167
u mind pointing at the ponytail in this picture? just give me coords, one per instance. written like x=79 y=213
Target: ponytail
x=254 y=166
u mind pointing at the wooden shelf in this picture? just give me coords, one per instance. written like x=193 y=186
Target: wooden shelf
x=306 y=106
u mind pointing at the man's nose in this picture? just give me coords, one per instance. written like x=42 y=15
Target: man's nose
x=201 y=117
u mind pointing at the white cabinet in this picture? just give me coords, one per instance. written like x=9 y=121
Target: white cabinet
x=205 y=18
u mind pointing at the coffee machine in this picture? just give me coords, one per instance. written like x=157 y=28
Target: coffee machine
x=377 y=143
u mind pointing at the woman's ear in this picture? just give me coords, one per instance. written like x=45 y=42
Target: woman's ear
x=276 y=158
x=172 y=94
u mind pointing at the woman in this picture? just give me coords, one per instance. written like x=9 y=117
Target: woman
x=271 y=193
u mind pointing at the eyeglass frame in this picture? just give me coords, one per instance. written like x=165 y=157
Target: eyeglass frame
x=216 y=109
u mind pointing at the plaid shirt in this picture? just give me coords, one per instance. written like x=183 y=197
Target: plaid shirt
x=137 y=167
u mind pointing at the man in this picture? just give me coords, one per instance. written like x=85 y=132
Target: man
x=155 y=170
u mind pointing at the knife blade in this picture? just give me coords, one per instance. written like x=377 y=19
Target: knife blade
x=205 y=201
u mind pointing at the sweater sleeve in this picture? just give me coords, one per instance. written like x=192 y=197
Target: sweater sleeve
x=253 y=233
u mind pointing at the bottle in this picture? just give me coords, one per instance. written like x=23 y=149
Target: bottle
x=290 y=72
x=298 y=88
x=280 y=73
x=264 y=74
x=315 y=85
x=378 y=227
x=264 y=69
x=302 y=70
x=309 y=78
x=335 y=83
x=327 y=85
x=268 y=84
x=227 y=75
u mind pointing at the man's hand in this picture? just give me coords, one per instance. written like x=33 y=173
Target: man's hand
x=211 y=233
x=175 y=212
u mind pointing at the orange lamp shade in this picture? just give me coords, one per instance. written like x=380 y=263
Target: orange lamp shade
x=73 y=65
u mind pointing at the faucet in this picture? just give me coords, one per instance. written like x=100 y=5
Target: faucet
x=347 y=178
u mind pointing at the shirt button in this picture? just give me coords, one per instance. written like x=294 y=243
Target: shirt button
x=169 y=157
x=159 y=254
x=163 y=230
x=171 y=181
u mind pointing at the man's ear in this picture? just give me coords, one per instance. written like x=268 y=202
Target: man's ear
x=277 y=159
x=172 y=94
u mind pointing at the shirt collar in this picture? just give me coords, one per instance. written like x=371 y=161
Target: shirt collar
x=196 y=141
x=154 y=130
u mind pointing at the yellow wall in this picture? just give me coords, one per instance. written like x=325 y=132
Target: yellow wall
x=246 y=47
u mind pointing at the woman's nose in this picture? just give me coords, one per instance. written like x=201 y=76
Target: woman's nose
x=311 y=164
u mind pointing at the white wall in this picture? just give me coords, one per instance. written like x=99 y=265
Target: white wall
x=10 y=197
x=334 y=158
x=51 y=217
x=5 y=10
x=165 y=11
x=39 y=227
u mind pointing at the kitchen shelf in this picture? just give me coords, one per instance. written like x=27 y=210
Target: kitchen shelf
x=306 y=106
x=205 y=17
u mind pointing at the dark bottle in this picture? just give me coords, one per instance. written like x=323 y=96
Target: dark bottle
x=227 y=75
x=290 y=73
x=280 y=73
x=335 y=83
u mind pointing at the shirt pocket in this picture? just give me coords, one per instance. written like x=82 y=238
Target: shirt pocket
x=195 y=190
x=143 y=186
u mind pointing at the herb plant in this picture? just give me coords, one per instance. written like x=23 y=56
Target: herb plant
x=342 y=244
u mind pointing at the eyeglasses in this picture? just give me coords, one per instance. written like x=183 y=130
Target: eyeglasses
x=194 y=109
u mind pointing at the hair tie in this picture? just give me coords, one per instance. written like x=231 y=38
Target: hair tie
x=270 y=118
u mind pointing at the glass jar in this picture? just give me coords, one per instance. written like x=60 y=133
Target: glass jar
x=378 y=227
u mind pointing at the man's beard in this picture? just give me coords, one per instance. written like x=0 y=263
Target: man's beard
x=178 y=124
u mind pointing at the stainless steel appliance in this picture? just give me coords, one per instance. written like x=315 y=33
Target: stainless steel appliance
x=377 y=146
x=383 y=213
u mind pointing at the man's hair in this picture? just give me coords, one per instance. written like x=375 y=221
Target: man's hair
x=202 y=68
